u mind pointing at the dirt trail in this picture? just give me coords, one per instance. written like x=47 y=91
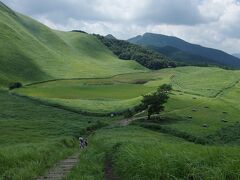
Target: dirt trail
x=108 y=171
x=126 y=122
x=59 y=171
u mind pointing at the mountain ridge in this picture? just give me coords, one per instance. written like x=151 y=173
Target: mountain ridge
x=160 y=40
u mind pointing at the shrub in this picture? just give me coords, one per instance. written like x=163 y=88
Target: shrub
x=128 y=114
x=14 y=85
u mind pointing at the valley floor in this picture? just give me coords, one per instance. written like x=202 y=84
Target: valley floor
x=40 y=122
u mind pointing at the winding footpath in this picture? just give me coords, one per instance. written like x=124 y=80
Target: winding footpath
x=60 y=170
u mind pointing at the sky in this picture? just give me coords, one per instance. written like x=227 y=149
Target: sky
x=211 y=23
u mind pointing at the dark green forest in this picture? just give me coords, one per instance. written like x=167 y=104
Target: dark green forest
x=148 y=58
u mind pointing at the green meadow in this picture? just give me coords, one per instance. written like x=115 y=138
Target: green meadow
x=194 y=95
x=71 y=85
x=34 y=136
x=200 y=96
x=137 y=153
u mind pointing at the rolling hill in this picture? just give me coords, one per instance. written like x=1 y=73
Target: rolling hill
x=71 y=79
x=212 y=56
x=30 y=52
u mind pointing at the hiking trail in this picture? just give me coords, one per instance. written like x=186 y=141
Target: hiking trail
x=60 y=170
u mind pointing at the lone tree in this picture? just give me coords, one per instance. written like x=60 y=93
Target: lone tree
x=154 y=103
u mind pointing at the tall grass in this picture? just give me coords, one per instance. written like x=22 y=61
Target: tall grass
x=28 y=160
x=142 y=154
x=34 y=137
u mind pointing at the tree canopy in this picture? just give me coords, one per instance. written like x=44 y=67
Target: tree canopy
x=128 y=51
x=154 y=103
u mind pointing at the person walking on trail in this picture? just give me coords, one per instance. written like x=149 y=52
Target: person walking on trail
x=86 y=142
x=81 y=143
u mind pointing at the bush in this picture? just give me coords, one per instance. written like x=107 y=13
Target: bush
x=128 y=114
x=176 y=133
x=14 y=85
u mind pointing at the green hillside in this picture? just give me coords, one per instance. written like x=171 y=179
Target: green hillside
x=34 y=137
x=71 y=85
x=194 y=88
x=32 y=52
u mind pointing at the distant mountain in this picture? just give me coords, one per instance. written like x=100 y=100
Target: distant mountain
x=110 y=36
x=237 y=55
x=155 y=41
x=182 y=56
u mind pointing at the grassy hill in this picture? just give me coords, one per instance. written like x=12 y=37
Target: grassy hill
x=207 y=95
x=34 y=137
x=136 y=153
x=121 y=92
x=158 y=40
x=32 y=52
x=68 y=73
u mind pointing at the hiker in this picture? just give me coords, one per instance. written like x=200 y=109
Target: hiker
x=86 y=142
x=81 y=143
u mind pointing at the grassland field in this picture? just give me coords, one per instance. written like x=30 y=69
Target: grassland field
x=200 y=96
x=34 y=137
x=136 y=153
x=77 y=72
x=34 y=129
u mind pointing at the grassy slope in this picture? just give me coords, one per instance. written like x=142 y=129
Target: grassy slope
x=194 y=88
x=142 y=154
x=33 y=136
x=32 y=52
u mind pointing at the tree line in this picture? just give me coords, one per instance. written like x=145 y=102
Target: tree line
x=146 y=57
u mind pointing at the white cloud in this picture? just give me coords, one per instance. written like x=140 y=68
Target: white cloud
x=213 y=23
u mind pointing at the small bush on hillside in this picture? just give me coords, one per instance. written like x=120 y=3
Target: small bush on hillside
x=14 y=85
x=128 y=114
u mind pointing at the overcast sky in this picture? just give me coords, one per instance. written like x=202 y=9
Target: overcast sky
x=212 y=23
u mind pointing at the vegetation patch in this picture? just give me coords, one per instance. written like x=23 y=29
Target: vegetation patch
x=127 y=51
x=143 y=153
x=34 y=136
x=175 y=132
x=227 y=135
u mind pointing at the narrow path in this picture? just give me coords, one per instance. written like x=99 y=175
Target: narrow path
x=59 y=171
x=108 y=171
x=221 y=92
x=126 y=122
